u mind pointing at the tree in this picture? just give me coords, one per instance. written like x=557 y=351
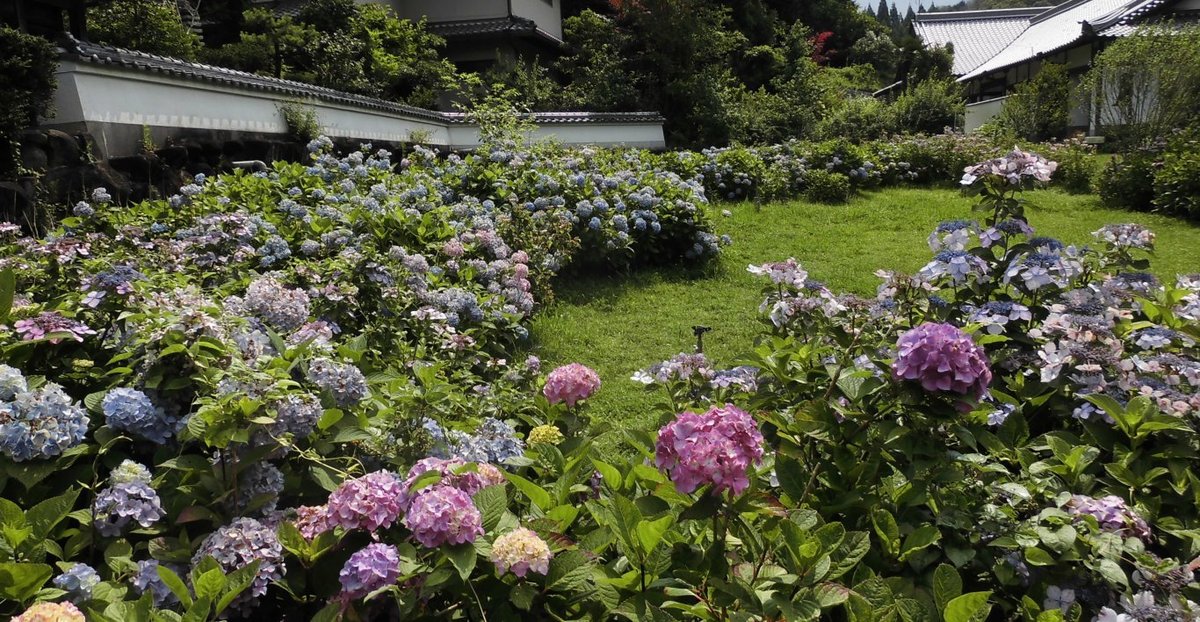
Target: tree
x=879 y=51
x=268 y=42
x=27 y=65
x=1148 y=83
x=1039 y=108
x=152 y=26
x=882 y=15
x=600 y=80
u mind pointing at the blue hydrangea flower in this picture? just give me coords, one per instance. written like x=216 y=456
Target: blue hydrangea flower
x=343 y=381
x=78 y=582
x=40 y=424
x=259 y=487
x=238 y=544
x=130 y=410
x=12 y=382
x=123 y=503
x=147 y=579
x=494 y=441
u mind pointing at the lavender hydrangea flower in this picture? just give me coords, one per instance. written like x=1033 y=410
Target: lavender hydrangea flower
x=952 y=235
x=1112 y=514
x=570 y=384
x=51 y=323
x=128 y=498
x=40 y=424
x=1125 y=236
x=147 y=579
x=959 y=265
x=130 y=410
x=788 y=272
x=373 y=567
x=714 y=448
x=343 y=381
x=443 y=514
x=370 y=502
x=238 y=544
x=1003 y=230
x=996 y=315
x=78 y=582
x=1155 y=337
x=296 y=414
x=943 y=358
x=284 y=308
x=521 y=550
x=259 y=487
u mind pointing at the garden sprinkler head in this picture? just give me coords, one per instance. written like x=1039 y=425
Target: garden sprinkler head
x=699 y=331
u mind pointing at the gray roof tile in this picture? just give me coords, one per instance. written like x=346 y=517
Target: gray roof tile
x=977 y=35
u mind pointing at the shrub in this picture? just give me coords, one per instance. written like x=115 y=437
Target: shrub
x=27 y=65
x=858 y=119
x=1076 y=164
x=930 y=107
x=1039 y=108
x=301 y=120
x=1177 y=183
x=825 y=187
x=1127 y=181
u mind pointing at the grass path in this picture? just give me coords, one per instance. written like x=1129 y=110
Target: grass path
x=618 y=324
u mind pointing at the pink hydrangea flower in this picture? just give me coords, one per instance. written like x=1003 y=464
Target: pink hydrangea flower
x=49 y=322
x=520 y=551
x=51 y=612
x=369 y=502
x=443 y=514
x=312 y=520
x=453 y=475
x=571 y=383
x=714 y=448
x=943 y=358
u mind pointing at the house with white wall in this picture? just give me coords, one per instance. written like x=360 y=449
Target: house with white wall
x=996 y=50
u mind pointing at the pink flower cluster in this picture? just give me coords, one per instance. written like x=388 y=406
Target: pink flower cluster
x=1014 y=168
x=51 y=612
x=943 y=358
x=453 y=475
x=714 y=448
x=369 y=502
x=443 y=514
x=50 y=322
x=571 y=383
x=520 y=551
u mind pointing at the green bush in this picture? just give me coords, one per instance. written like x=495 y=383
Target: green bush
x=302 y=122
x=1076 y=164
x=826 y=187
x=858 y=119
x=1040 y=108
x=1127 y=181
x=929 y=107
x=1177 y=184
x=27 y=65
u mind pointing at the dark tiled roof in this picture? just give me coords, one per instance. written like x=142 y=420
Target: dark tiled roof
x=560 y=118
x=977 y=35
x=87 y=52
x=493 y=26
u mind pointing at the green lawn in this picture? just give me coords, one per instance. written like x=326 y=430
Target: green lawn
x=619 y=324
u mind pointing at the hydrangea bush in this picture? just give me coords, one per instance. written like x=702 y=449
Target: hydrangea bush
x=298 y=395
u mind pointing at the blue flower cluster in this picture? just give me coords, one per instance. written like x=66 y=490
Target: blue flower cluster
x=238 y=544
x=42 y=423
x=78 y=582
x=128 y=498
x=259 y=487
x=296 y=414
x=283 y=308
x=130 y=410
x=343 y=381
x=147 y=579
x=494 y=441
x=459 y=305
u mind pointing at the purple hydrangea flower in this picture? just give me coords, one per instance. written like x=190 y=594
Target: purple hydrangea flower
x=443 y=514
x=943 y=358
x=370 y=502
x=714 y=448
x=1112 y=514
x=455 y=472
x=51 y=322
x=242 y=542
x=128 y=498
x=371 y=568
x=343 y=381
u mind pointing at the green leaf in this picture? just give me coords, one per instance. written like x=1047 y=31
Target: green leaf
x=21 y=581
x=947 y=585
x=540 y=498
x=972 y=607
x=330 y=613
x=923 y=537
x=522 y=596
x=569 y=572
x=237 y=582
x=1038 y=557
x=175 y=584
x=853 y=548
x=198 y=611
x=210 y=584
x=492 y=503
x=888 y=531
x=650 y=533
x=793 y=478
x=831 y=594
x=612 y=477
x=463 y=557
x=1111 y=571
x=45 y=516
x=8 y=288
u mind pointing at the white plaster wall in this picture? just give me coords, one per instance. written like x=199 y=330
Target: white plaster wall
x=982 y=112
x=114 y=103
x=450 y=10
x=546 y=13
